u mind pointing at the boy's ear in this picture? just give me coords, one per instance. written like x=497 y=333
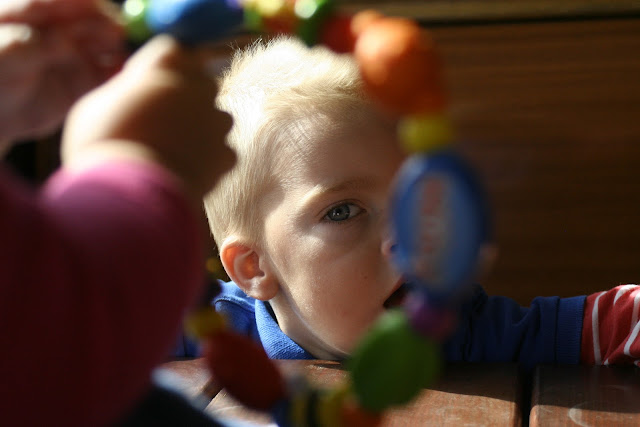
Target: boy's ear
x=248 y=269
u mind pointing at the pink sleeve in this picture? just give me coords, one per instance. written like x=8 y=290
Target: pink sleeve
x=611 y=330
x=95 y=273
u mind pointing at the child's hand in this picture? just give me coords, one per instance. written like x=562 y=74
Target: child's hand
x=51 y=53
x=159 y=108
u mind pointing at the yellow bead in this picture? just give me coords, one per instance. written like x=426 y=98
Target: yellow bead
x=203 y=322
x=298 y=414
x=330 y=406
x=271 y=8
x=215 y=269
x=420 y=134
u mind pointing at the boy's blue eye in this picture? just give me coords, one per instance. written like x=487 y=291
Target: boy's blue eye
x=342 y=212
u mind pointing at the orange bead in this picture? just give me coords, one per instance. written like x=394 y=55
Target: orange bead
x=340 y=32
x=400 y=66
x=362 y=19
x=241 y=366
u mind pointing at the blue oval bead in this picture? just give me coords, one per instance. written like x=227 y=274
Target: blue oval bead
x=194 y=21
x=440 y=221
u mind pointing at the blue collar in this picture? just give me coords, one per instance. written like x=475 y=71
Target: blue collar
x=275 y=342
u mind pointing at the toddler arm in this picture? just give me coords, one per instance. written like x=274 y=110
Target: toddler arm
x=94 y=276
x=611 y=331
x=497 y=329
x=159 y=109
x=97 y=270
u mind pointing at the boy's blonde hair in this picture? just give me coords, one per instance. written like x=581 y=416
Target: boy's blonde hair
x=279 y=92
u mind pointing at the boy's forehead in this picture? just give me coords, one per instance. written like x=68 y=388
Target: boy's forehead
x=338 y=159
x=340 y=130
x=321 y=147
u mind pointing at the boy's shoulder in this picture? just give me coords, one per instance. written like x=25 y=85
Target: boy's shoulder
x=238 y=308
x=254 y=318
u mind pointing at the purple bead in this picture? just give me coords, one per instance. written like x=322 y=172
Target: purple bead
x=428 y=320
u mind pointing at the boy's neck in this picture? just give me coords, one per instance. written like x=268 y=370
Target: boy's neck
x=304 y=337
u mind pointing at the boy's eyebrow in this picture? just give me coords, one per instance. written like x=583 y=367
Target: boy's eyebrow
x=321 y=189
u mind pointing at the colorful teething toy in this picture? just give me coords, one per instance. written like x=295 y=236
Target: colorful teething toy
x=438 y=211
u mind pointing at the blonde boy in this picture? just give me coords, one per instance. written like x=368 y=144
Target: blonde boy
x=301 y=222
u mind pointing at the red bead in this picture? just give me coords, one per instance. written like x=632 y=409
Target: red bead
x=341 y=32
x=353 y=415
x=242 y=367
x=280 y=24
x=400 y=66
x=336 y=34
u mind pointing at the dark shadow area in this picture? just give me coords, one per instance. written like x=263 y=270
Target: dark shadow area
x=36 y=160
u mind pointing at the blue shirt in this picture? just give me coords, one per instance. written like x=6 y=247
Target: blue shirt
x=490 y=329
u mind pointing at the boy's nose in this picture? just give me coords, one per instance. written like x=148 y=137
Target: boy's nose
x=388 y=247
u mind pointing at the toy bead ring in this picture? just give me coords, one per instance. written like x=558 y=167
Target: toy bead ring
x=439 y=214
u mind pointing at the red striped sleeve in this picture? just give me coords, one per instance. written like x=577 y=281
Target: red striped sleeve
x=611 y=330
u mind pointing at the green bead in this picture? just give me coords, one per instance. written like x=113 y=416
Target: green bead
x=253 y=20
x=312 y=14
x=134 y=13
x=392 y=363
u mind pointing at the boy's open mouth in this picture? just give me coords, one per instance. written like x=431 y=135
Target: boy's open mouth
x=397 y=297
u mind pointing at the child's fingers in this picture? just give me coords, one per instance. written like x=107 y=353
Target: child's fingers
x=93 y=32
x=17 y=39
x=160 y=51
x=98 y=43
x=164 y=53
x=40 y=12
x=216 y=56
x=169 y=109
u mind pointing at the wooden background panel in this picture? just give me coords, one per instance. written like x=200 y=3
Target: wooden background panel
x=458 y=11
x=467 y=394
x=549 y=113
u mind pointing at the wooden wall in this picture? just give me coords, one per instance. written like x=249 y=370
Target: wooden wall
x=549 y=113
